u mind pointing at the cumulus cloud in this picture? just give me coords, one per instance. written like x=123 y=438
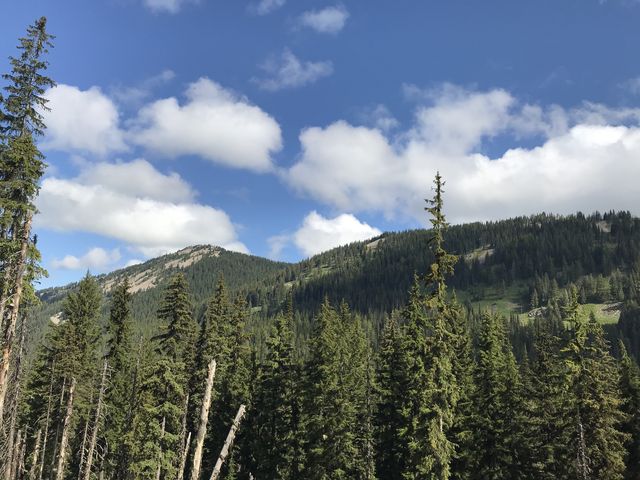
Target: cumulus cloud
x=214 y=123
x=138 y=178
x=82 y=120
x=264 y=7
x=318 y=234
x=585 y=159
x=328 y=20
x=97 y=258
x=287 y=71
x=167 y=6
x=150 y=220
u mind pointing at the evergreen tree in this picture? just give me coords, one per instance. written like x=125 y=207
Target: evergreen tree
x=336 y=394
x=630 y=390
x=119 y=395
x=463 y=362
x=391 y=454
x=548 y=400
x=163 y=389
x=70 y=351
x=235 y=391
x=21 y=167
x=156 y=441
x=213 y=343
x=276 y=407
x=432 y=389
x=598 y=442
x=178 y=337
x=497 y=419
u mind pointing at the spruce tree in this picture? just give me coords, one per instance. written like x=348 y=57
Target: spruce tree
x=163 y=389
x=548 y=400
x=630 y=390
x=276 y=422
x=70 y=350
x=463 y=362
x=598 y=440
x=119 y=395
x=235 y=391
x=433 y=392
x=213 y=343
x=155 y=437
x=392 y=368
x=335 y=397
x=21 y=167
x=498 y=417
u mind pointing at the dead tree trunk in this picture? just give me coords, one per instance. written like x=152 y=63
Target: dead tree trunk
x=96 y=424
x=83 y=445
x=56 y=444
x=23 y=451
x=7 y=468
x=14 y=396
x=36 y=456
x=183 y=460
x=14 y=310
x=14 y=457
x=65 y=433
x=204 y=418
x=228 y=443
x=47 y=420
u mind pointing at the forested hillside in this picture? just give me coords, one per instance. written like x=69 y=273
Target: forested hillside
x=513 y=266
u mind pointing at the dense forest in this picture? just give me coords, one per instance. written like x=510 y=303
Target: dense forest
x=373 y=361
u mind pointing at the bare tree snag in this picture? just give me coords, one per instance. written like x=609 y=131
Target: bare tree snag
x=204 y=418
x=96 y=425
x=83 y=446
x=65 y=432
x=13 y=453
x=36 y=456
x=14 y=310
x=22 y=452
x=183 y=460
x=56 y=445
x=13 y=393
x=47 y=420
x=228 y=443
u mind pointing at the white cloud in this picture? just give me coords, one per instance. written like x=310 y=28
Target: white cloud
x=83 y=120
x=328 y=20
x=138 y=178
x=287 y=71
x=167 y=6
x=318 y=234
x=95 y=259
x=585 y=159
x=150 y=220
x=264 y=7
x=214 y=123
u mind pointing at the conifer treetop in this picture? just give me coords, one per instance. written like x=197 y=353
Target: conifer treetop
x=444 y=261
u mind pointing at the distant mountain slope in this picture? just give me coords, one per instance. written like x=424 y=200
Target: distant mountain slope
x=201 y=264
x=506 y=259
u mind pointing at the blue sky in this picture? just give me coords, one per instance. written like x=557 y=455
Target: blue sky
x=286 y=127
